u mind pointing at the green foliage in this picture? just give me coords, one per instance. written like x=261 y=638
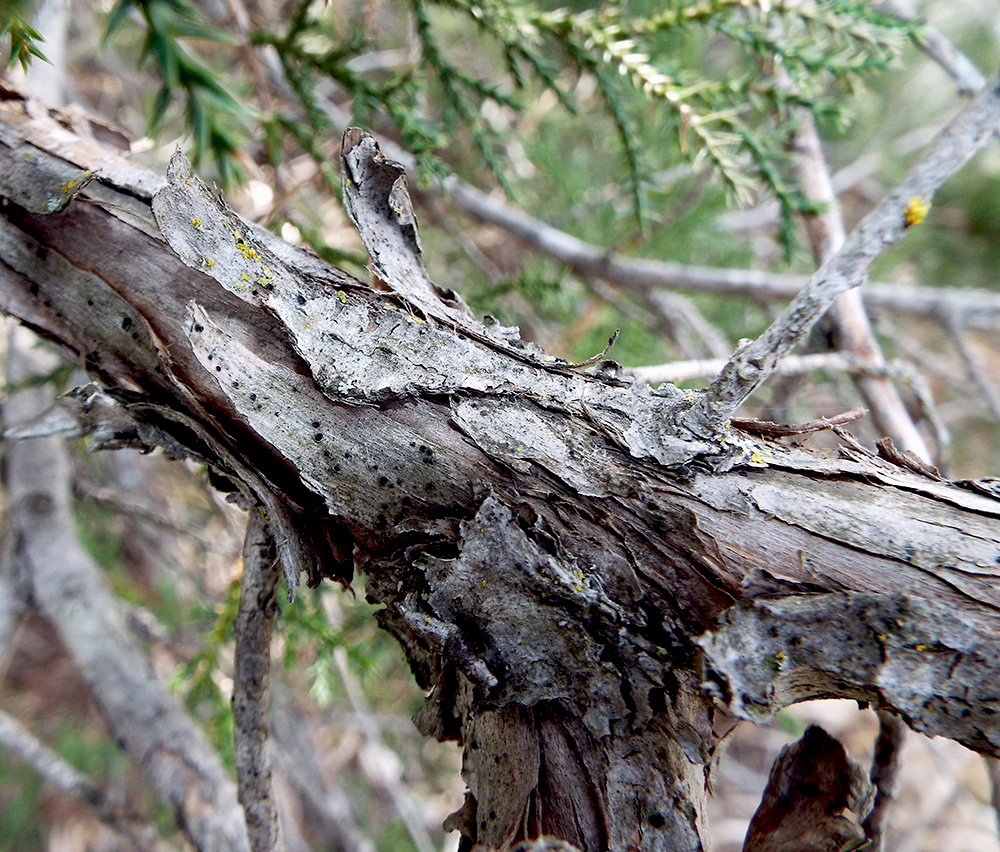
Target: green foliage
x=24 y=38
x=20 y=799
x=719 y=81
x=213 y=115
x=317 y=624
x=198 y=680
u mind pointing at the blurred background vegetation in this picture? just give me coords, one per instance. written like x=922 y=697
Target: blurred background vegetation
x=654 y=129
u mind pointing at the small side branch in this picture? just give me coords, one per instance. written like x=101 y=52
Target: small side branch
x=254 y=625
x=884 y=775
x=884 y=226
x=765 y=427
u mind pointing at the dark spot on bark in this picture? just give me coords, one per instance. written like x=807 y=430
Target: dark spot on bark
x=336 y=468
x=656 y=820
x=253 y=396
x=383 y=481
x=315 y=424
x=253 y=293
x=318 y=437
x=40 y=504
x=380 y=521
x=429 y=487
x=347 y=454
x=218 y=369
x=300 y=298
x=126 y=323
x=47 y=303
x=474 y=745
x=90 y=302
x=135 y=336
x=41 y=252
x=211 y=357
x=326 y=454
x=236 y=384
x=199 y=327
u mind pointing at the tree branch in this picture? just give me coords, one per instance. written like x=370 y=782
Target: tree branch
x=258 y=608
x=643 y=276
x=885 y=225
x=563 y=566
x=19 y=741
x=70 y=590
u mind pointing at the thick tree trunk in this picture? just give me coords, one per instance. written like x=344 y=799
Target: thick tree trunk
x=586 y=588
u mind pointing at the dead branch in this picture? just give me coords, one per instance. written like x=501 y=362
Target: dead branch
x=885 y=225
x=69 y=589
x=564 y=565
x=258 y=608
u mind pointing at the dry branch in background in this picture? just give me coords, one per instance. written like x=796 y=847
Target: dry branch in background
x=578 y=575
x=69 y=589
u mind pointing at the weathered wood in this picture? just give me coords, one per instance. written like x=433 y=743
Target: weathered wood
x=811 y=785
x=577 y=580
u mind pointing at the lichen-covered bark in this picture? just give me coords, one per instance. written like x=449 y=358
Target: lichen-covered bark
x=578 y=581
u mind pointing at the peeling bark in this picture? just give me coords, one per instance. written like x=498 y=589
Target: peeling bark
x=578 y=579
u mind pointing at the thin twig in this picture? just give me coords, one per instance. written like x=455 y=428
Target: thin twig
x=826 y=235
x=709 y=368
x=251 y=695
x=766 y=427
x=853 y=444
x=975 y=369
x=884 y=226
x=884 y=775
x=593 y=359
x=936 y=45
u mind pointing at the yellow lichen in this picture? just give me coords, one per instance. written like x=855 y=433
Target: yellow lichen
x=916 y=211
x=196 y=223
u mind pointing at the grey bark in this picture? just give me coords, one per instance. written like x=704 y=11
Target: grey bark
x=578 y=582
x=258 y=608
